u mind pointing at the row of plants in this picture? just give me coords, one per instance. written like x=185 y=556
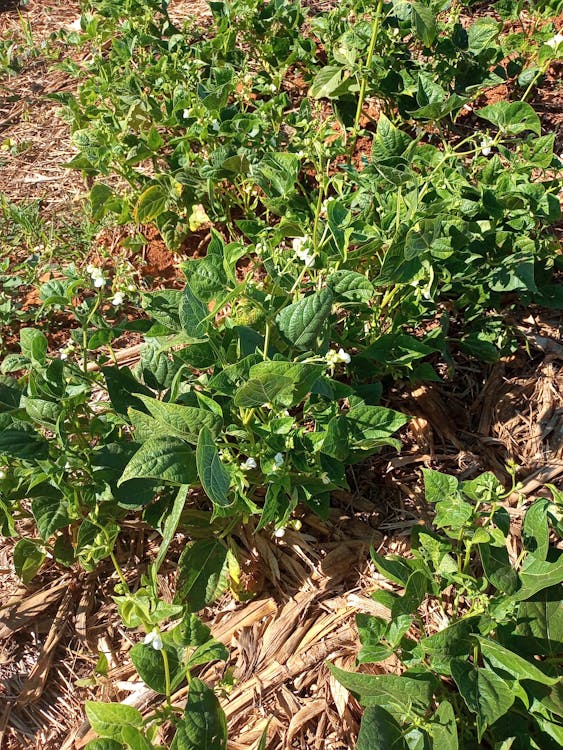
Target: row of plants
x=366 y=221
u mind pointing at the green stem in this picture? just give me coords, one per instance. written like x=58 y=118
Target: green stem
x=167 y=682
x=365 y=73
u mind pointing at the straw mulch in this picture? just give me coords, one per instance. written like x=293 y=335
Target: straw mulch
x=310 y=584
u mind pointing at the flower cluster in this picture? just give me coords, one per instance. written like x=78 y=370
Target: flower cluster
x=334 y=358
x=302 y=249
x=555 y=41
x=153 y=639
x=97 y=275
x=67 y=349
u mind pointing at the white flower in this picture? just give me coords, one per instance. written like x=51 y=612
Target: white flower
x=75 y=25
x=301 y=249
x=186 y=114
x=486 y=144
x=555 y=41
x=278 y=459
x=2 y=474
x=63 y=355
x=99 y=281
x=153 y=639
x=92 y=269
x=249 y=464
x=273 y=88
x=334 y=358
x=118 y=299
x=324 y=478
x=279 y=533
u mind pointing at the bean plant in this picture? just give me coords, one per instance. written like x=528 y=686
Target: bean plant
x=363 y=219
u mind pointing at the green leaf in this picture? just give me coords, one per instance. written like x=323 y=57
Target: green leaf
x=512 y=117
x=389 y=691
x=452 y=642
x=443 y=727
x=211 y=651
x=259 y=391
x=167 y=458
x=193 y=314
x=379 y=730
x=149 y=663
x=104 y=744
x=501 y=657
x=389 y=141
x=540 y=622
x=214 y=477
x=350 y=286
x=438 y=486
x=50 y=513
x=374 y=422
x=150 y=204
x=204 y=725
x=202 y=574
x=536 y=575
x=34 y=345
x=28 y=558
x=415 y=591
x=302 y=322
x=107 y=719
x=181 y=421
x=498 y=568
x=301 y=376
x=100 y=194
x=424 y=23
x=23 y=444
x=327 y=80
x=135 y=739
x=170 y=526
x=191 y=631
x=484 y=693
x=535 y=529
x=277 y=173
x=335 y=441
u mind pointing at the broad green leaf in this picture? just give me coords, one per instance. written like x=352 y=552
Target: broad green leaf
x=107 y=719
x=350 y=286
x=535 y=529
x=28 y=558
x=327 y=80
x=123 y=388
x=512 y=117
x=23 y=444
x=394 y=567
x=452 y=514
x=485 y=693
x=376 y=422
x=389 y=140
x=498 y=568
x=438 y=486
x=540 y=622
x=191 y=631
x=277 y=173
x=150 y=204
x=443 y=727
x=259 y=391
x=452 y=642
x=193 y=314
x=203 y=725
x=50 y=513
x=182 y=421
x=379 y=730
x=302 y=322
x=211 y=651
x=202 y=574
x=302 y=377
x=42 y=411
x=170 y=526
x=482 y=34
x=536 y=575
x=100 y=194
x=424 y=23
x=166 y=458
x=501 y=657
x=415 y=591
x=34 y=345
x=335 y=441
x=149 y=663
x=103 y=743
x=389 y=691
x=214 y=477
x=135 y=739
